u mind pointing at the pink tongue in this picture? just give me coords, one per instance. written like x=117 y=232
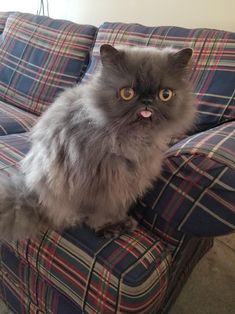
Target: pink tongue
x=145 y=113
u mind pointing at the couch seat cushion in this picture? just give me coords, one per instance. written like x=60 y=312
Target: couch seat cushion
x=213 y=69
x=13 y=148
x=39 y=57
x=128 y=274
x=15 y=120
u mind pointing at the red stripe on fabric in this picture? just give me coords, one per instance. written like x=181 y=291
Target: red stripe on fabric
x=6 y=158
x=213 y=67
x=156 y=36
x=172 y=207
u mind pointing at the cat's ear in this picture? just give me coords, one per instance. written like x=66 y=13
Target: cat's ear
x=109 y=55
x=182 y=57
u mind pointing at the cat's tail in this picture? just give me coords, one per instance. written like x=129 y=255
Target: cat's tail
x=20 y=216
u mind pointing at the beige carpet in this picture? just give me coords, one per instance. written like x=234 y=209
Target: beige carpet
x=210 y=288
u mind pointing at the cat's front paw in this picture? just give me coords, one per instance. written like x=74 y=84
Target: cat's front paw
x=114 y=230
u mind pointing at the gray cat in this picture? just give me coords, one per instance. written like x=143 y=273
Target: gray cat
x=100 y=145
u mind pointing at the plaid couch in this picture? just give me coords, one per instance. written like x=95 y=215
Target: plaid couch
x=191 y=202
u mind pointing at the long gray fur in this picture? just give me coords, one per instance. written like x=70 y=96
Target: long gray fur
x=91 y=156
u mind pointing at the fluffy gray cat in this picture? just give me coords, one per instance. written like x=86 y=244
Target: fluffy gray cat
x=100 y=145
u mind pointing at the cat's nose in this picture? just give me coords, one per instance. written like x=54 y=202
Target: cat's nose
x=147 y=101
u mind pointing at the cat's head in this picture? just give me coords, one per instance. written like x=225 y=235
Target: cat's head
x=144 y=87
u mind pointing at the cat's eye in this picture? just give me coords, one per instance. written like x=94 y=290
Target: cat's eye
x=165 y=94
x=127 y=93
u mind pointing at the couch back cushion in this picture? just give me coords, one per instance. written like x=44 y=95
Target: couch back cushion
x=39 y=57
x=213 y=75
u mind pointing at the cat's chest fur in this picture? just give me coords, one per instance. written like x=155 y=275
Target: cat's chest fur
x=129 y=159
x=135 y=149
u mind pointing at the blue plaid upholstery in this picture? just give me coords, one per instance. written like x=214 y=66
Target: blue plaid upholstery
x=39 y=57
x=14 y=120
x=199 y=177
x=80 y=273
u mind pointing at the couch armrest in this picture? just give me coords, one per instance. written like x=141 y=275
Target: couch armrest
x=196 y=191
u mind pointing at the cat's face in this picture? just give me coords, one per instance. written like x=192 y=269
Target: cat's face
x=145 y=87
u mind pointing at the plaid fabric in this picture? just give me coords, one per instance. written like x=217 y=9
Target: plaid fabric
x=196 y=190
x=12 y=149
x=14 y=120
x=3 y=19
x=85 y=273
x=39 y=57
x=214 y=62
